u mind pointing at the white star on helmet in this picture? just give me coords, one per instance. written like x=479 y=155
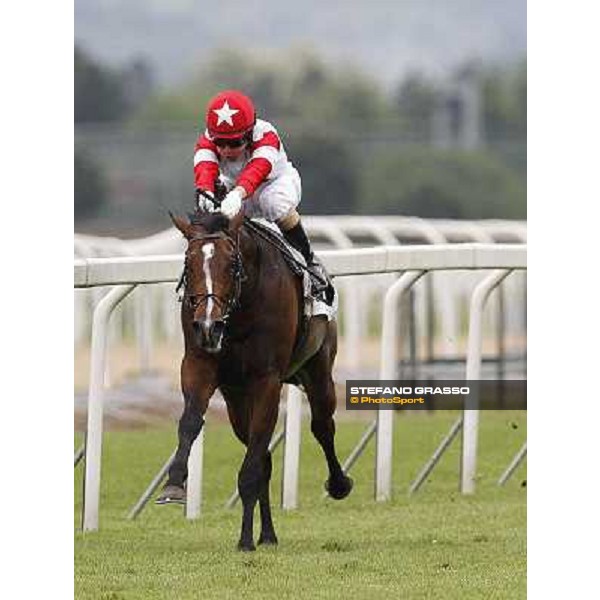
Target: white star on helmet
x=225 y=113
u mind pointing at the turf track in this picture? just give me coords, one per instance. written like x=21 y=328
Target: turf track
x=436 y=544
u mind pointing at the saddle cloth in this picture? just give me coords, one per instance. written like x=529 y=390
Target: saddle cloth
x=312 y=306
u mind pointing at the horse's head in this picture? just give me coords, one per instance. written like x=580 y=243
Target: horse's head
x=212 y=274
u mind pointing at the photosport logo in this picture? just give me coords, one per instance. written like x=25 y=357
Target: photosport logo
x=370 y=394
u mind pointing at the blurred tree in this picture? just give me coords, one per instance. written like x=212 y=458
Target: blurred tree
x=348 y=137
x=342 y=97
x=90 y=186
x=98 y=92
x=327 y=167
x=441 y=184
x=103 y=94
x=297 y=85
x=416 y=100
x=521 y=99
x=137 y=81
x=505 y=101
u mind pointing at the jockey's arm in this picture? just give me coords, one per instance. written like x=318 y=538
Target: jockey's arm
x=265 y=154
x=206 y=164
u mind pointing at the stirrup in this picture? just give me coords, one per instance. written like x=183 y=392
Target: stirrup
x=317 y=285
x=319 y=279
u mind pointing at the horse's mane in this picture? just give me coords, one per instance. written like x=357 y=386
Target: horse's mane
x=216 y=221
x=210 y=222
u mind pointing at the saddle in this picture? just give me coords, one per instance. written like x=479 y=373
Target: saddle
x=291 y=256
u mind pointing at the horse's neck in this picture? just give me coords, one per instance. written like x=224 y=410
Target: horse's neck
x=251 y=259
x=255 y=251
x=248 y=247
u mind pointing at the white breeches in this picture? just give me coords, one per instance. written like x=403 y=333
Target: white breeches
x=275 y=198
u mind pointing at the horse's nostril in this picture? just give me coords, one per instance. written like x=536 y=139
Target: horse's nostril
x=201 y=330
x=208 y=333
x=218 y=328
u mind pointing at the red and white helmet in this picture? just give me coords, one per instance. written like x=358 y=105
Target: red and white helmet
x=230 y=114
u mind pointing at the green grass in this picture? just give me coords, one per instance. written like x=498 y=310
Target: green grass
x=436 y=544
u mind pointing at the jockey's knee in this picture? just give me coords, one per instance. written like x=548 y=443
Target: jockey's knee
x=288 y=221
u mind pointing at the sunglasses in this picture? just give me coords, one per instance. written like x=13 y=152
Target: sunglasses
x=235 y=143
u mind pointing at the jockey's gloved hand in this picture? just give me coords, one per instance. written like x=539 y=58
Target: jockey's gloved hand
x=205 y=204
x=232 y=204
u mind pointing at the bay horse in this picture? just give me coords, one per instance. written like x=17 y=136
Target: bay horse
x=245 y=333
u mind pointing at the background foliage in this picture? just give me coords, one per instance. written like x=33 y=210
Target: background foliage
x=360 y=147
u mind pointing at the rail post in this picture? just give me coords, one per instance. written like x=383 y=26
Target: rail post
x=473 y=372
x=385 y=418
x=93 y=441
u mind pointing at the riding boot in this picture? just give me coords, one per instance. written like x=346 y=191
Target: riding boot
x=319 y=277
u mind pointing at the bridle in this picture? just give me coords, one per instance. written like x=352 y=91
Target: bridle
x=239 y=276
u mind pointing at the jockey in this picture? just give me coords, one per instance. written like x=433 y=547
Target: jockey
x=246 y=154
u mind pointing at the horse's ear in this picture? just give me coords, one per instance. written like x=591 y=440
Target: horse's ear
x=181 y=224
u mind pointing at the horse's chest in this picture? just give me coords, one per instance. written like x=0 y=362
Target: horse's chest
x=245 y=360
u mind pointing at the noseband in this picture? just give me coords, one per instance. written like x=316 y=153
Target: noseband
x=239 y=276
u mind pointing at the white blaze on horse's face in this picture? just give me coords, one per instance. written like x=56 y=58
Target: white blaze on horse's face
x=208 y=250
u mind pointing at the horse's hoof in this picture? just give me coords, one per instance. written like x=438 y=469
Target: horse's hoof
x=172 y=494
x=268 y=539
x=339 y=488
x=246 y=547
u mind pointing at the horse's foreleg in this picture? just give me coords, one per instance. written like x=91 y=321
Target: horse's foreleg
x=249 y=482
x=198 y=383
x=190 y=425
x=267 y=531
x=254 y=475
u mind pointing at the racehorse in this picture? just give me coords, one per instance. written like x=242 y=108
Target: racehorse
x=245 y=333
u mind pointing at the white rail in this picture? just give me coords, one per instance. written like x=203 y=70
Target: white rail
x=446 y=294
x=90 y=272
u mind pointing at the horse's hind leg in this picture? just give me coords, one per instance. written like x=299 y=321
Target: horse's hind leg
x=320 y=389
x=198 y=382
x=254 y=475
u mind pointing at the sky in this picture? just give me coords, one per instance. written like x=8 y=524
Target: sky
x=385 y=38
